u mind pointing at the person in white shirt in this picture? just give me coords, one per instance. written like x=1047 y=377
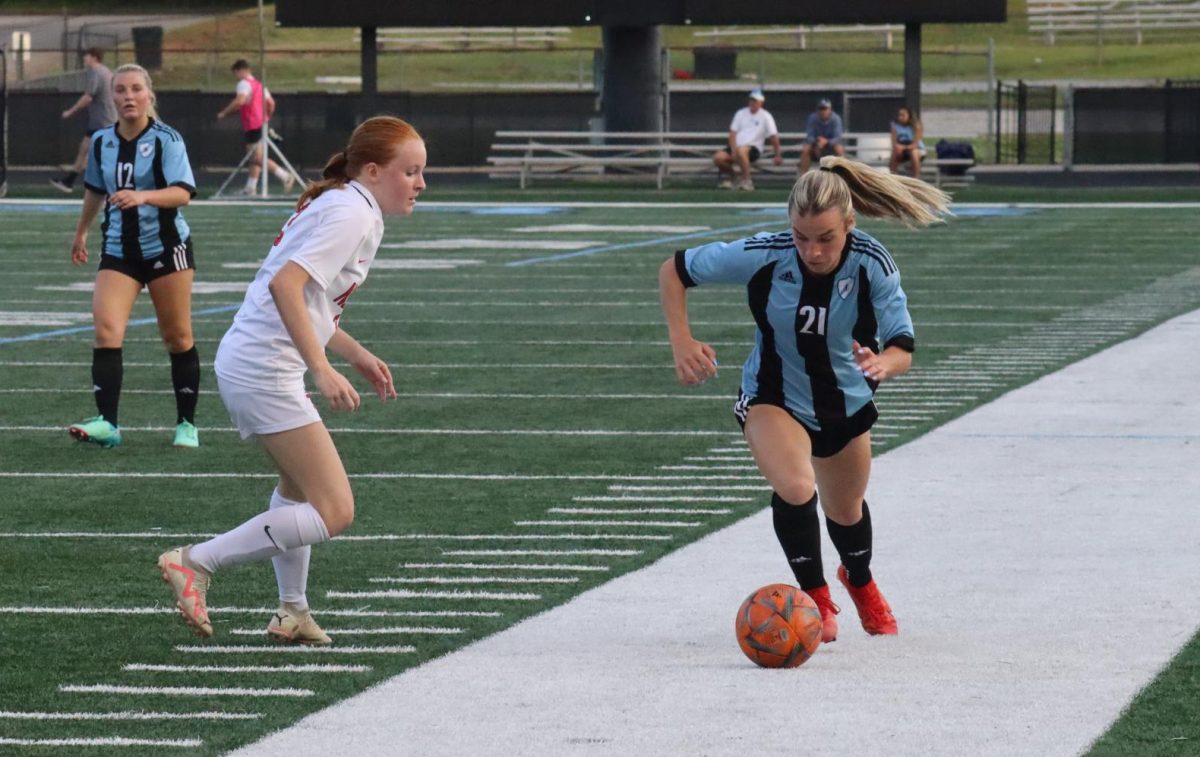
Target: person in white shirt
x=288 y=318
x=751 y=127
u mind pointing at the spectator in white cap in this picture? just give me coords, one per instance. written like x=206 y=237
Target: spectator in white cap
x=822 y=135
x=751 y=127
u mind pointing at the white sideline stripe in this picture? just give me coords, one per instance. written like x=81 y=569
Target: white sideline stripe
x=620 y=523
x=129 y=715
x=338 y=632
x=973 y=662
x=431 y=431
x=637 y=511
x=540 y=552
x=150 y=668
x=102 y=741
x=183 y=691
x=255 y=611
x=469 y=580
x=627 y=498
x=503 y=566
x=427 y=594
x=300 y=649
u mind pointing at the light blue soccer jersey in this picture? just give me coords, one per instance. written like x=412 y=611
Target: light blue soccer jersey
x=803 y=356
x=156 y=159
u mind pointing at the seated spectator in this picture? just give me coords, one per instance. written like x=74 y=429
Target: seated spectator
x=822 y=135
x=907 y=144
x=748 y=132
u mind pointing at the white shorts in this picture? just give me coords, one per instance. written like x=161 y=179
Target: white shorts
x=255 y=411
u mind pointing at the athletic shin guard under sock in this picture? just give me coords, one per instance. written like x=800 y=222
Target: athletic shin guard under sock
x=291 y=567
x=798 y=529
x=107 y=370
x=185 y=377
x=854 y=546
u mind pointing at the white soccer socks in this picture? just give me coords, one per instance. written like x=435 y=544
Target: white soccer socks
x=291 y=567
x=265 y=535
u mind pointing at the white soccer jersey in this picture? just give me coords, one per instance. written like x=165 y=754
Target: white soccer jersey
x=334 y=238
x=753 y=128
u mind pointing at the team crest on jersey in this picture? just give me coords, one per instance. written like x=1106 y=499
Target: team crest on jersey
x=845 y=286
x=145 y=148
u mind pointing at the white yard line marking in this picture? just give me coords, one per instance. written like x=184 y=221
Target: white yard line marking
x=471 y=580
x=718 y=458
x=503 y=596
x=586 y=432
x=615 y=523
x=708 y=467
x=343 y=537
x=102 y=741
x=183 y=691
x=540 y=552
x=428 y=395
x=686 y=487
x=491 y=244
x=417 y=476
x=130 y=715
x=388 y=631
x=149 y=668
x=637 y=511
x=610 y=227
x=324 y=612
x=688 y=498
x=299 y=649
x=503 y=566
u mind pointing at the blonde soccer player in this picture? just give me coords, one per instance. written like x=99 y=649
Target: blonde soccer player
x=833 y=323
x=286 y=323
x=138 y=175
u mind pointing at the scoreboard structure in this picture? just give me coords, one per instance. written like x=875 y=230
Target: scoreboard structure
x=634 y=12
x=632 y=99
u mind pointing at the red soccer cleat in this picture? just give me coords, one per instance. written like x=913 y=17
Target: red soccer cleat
x=873 y=610
x=829 y=613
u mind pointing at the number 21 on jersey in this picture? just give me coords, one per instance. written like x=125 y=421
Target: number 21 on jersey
x=813 y=317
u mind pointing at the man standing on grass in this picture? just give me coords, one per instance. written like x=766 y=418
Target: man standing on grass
x=101 y=112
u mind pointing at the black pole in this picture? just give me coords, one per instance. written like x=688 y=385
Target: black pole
x=1053 y=118
x=1022 y=106
x=999 y=118
x=370 y=70
x=632 y=89
x=912 y=67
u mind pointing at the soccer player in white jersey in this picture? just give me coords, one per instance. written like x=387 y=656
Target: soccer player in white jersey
x=832 y=323
x=289 y=317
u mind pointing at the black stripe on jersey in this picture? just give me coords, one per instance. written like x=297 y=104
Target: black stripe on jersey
x=829 y=402
x=360 y=194
x=903 y=341
x=96 y=140
x=770 y=366
x=131 y=246
x=681 y=269
x=773 y=246
x=167 y=131
x=107 y=206
x=866 y=328
x=168 y=234
x=877 y=252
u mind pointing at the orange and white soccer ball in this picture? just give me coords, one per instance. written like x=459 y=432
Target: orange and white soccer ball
x=778 y=626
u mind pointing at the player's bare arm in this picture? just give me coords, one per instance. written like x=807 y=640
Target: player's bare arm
x=370 y=367
x=695 y=361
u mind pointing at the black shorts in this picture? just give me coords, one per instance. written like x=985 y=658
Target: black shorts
x=145 y=271
x=831 y=439
x=754 y=153
x=252 y=137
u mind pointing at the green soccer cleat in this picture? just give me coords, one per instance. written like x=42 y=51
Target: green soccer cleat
x=186 y=435
x=97 y=431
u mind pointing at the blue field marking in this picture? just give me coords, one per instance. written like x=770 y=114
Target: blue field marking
x=632 y=245
x=82 y=329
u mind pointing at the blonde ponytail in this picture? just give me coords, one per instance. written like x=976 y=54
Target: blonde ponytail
x=854 y=186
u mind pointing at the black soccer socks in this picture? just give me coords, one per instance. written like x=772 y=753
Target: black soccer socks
x=798 y=529
x=107 y=371
x=854 y=545
x=185 y=376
